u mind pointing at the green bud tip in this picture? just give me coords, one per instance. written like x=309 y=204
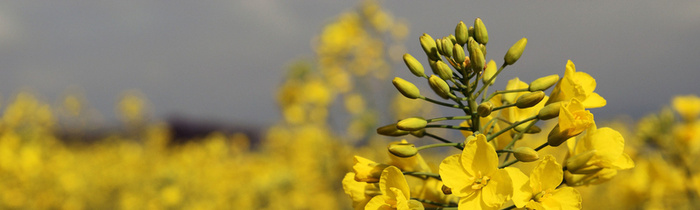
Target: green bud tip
x=477 y=59
x=533 y=129
x=529 y=99
x=406 y=88
x=490 y=72
x=444 y=71
x=525 y=154
x=461 y=33
x=484 y=109
x=403 y=150
x=515 y=51
x=391 y=130
x=412 y=124
x=428 y=44
x=556 y=137
x=413 y=65
x=544 y=83
x=458 y=54
x=480 y=33
x=447 y=46
x=549 y=111
x=577 y=162
x=439 y=86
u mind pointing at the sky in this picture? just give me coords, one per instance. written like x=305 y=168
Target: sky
x=223 y=60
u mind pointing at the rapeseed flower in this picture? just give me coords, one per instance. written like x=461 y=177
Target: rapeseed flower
x=578 y=85
x=540 y=190
x=396 y=193
x=596 y=157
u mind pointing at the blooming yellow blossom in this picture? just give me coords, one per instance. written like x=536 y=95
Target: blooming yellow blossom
x=596 y=157
x=540 y=190
x=687 y=106
x=395 y=192
x=474 y=175
x=578 y=85
x=359 y=192
x=573 y=120
x=367 y=170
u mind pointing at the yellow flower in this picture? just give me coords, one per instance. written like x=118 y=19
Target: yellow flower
x=395 y=192
x=596 y=157
x=367 y=170
x=474 y=176
x=359 y=192
x=687 y=106
x=573 y=120
x=578 y=85
x=540 y=190
x=515 y=114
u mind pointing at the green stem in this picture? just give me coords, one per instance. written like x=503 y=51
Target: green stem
x=542 y=146
x=506 y=91
x=503 y=107
x=450 y=127
x=520 y=135
x=491 y=80
x=510 y=207
x=508 y=163
x=457 y=145
x=510 y=127
x=504 y=151
x=449 y=118
x=442 y=103
x=419 y=174
x=432 y=202
x=438 y=138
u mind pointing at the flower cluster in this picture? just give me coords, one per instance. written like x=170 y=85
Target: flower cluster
x=498 y=127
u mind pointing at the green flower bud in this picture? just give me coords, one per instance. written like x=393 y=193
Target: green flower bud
x=471 y=32
x=556 y=137
x=391 y=130
x=412 y=124
x=447 y=46
x=461 y=33
x=440 y=87
x=458 y=54
x=406 y=88
x=413 y=65
x=578 y=163
x=529 y=99
x=477 y=59
x=549 y=111
x=428 y=44
x=543 y=83
x=439 y=43
x=483 y=49
x=419 y=133
x=452 y=38
x=533 y=129
x=484 y=109
x=515 y=51
x=444 y=71
x=525 y=154
x=403 y=149
x=490 y=72
x=480 y=33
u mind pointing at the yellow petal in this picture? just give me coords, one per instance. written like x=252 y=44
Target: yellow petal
x=415 y=205
x=594 y=101
x=393 y=178
x=498 y=189
x=624 y=162
x=534 y=205
x=547 y=175
x=355 y=189
x=522 y=192
x=378 y=203
x=473 y=201
x=479 y=156
x=586 y=81
x=455 y=176
x=568 y=197
x=608 y=143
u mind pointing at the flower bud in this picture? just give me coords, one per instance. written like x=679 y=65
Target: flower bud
x=490 y=72
x=525 y=154
x=529 y=99
x=483 y=49
x=447 y=46
x=458 y=54
x=403 y=149
x=550 y=111
x=413 y=65
x=515 y=51
x=533 y=129
x=428 y=44
x=480 y=33
x=406 y=88
x=419 y=133
x=412 y=124
x=577 y=162
x=543 y=83
x=391 y=130
x=438 y=44
x=443 y=70
x=484 y=109
x=557 y=136
x=367 y=170
x=471 y=32
x=477 y=59
x=452 y=38
x=440 y=87
x=461 y=33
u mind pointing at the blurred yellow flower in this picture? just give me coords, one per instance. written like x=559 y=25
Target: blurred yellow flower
x=578 y=85
x=688 y=106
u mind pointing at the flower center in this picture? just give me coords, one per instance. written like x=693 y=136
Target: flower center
x=540 y=196
x=480 y=181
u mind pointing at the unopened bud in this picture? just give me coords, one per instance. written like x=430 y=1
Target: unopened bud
x=544 y=83
x=556 y=137
x=515 y=51
x=458 y=54
x=480 y=33
x=413 y=65
x=577 y=162
x=532 y=130
x=471 y=32
x=403 y=149
x=477 y=59
x=549 y=111
x=483 y=49
x=439 y=86
x=452 y=38
x=391 y=130
x=412 y=124
x=525 y=154
x=490 y=72
x=461 y=33
x=406 y=88
x=484 y=109
x=443 y=70
x=428 y=44
x=529 y=99
x=447 y=46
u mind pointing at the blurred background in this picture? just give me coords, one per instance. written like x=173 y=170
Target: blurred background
x=263 y=104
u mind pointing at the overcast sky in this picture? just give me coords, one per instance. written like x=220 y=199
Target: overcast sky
x=222 y=60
